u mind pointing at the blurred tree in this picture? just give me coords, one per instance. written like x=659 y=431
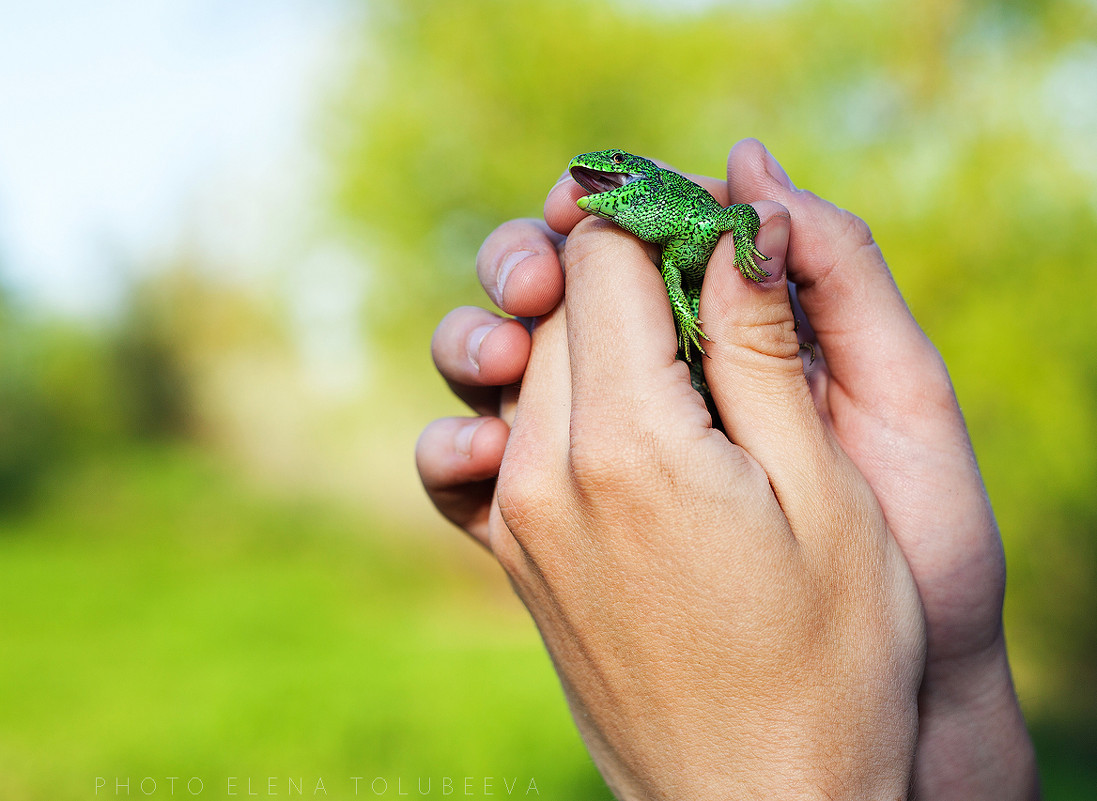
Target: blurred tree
x=68 y=387
x=154 y=386
x=27 y=440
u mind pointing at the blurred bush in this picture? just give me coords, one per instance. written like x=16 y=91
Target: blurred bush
x=68 y=388
x=28 y=437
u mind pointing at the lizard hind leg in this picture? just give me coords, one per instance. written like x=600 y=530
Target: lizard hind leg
x=684 y=306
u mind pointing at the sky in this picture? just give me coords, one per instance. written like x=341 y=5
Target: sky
x=119 y=120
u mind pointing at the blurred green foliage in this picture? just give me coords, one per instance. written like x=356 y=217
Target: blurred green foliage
x=65 y=390
x=26 y=435
x=161 y=614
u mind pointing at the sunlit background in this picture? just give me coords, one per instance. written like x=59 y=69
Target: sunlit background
x=227 y=230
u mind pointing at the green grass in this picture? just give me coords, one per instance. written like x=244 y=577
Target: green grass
x=158 y=618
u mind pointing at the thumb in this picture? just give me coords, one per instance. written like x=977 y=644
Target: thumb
x=860 y=319
x=753 y=370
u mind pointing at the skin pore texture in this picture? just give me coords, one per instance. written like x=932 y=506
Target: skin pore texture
x=806 y=605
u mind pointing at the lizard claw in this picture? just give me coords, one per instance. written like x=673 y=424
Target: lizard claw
x=810 y=348
x=691 y=332
x=744 y=260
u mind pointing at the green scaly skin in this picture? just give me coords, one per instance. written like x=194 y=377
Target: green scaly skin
x=666 y=208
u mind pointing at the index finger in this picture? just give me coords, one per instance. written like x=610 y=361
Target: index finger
x=621 y=336
x=519 y=267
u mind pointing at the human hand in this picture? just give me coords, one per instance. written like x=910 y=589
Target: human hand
x=717 y=629
x=883 y=393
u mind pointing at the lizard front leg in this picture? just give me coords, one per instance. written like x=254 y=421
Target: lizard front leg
x=685 y=317
x=742 y=220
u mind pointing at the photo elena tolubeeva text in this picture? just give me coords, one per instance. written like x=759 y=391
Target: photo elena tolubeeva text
x=318 y=787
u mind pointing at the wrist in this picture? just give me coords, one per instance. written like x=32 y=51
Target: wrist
x=778 y=762
x=973 y=743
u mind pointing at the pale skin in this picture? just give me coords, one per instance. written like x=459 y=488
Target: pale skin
x=808 y=608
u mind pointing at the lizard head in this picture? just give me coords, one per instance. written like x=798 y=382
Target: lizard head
x=605 y=171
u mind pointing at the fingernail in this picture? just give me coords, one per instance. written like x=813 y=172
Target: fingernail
x=475 y=339
x=505 y=269
x=462 y=440
x=776 y=171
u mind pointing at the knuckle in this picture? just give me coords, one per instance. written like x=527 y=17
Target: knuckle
x=602 y=446
x=518 y=496
x=852 y=235
x=933 y=389
x=762 y=339
x=595 y=465
x=773 y=346
x=856 y=233
x=528 y=496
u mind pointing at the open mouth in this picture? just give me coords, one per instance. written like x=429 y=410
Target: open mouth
x=594 y=181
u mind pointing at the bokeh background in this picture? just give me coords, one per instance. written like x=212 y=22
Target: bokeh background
x=227 y=230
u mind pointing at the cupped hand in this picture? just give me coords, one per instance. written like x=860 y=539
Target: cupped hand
x=881 y=391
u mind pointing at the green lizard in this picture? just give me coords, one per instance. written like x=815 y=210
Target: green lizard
x=664 y=207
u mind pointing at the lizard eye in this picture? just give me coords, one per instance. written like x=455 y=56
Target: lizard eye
x=618 y=158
